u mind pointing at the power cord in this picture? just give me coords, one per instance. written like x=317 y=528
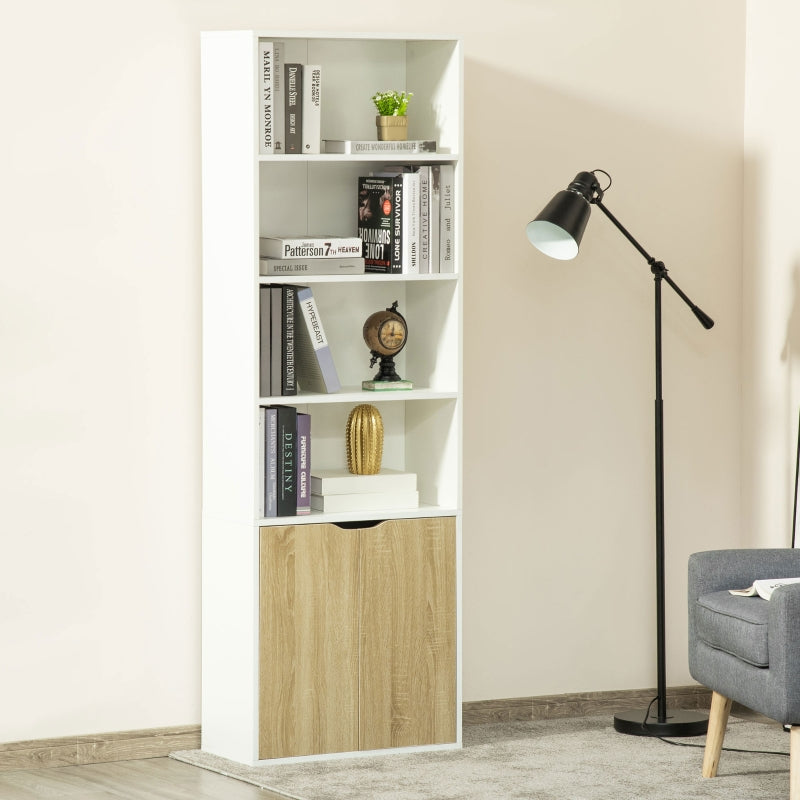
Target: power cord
x=702 y=746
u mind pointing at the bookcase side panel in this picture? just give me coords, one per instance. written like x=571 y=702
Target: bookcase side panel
x=230 y=312
x=229 y=641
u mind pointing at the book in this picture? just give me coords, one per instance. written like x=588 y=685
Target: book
x=447 y=218
x=283 y=379
x=314 y=366
x=424 y=218
x=293 y=103
x=386 y=386
x=312 y=108
x=286 y=468
x=278 y=95
x=276 y=340
x=342 y=481
x=433 y=227
x=405 y=218
x=270 y=461
x=314 y=246
x=266 y=72
x=375 y=222
x=288 y=373
x=265 y=342
x=374 y=147
x=764 y=588
x=397 y=225
x=303 y=463
x=366 y=501
x=411 y=223
x=312 y=266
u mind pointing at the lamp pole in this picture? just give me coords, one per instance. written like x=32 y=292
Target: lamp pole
x=676 y=723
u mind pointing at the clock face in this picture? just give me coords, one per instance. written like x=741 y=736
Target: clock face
x=385 y=332
x=392 y=334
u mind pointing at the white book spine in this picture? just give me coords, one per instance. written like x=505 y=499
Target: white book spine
x=317 y=371
x=312 y=108
x=342 y=481
x=349 y=265
x=411 y=223
x=369 y=501
x=309 y=247
x=266 y=72
x=447 y=219
x=424 y=219
x=435 y=195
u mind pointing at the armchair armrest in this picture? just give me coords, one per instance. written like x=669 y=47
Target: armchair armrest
x=716 y=570
x=784 y=640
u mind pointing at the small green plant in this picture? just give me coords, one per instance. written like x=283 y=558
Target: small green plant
x=392 y=104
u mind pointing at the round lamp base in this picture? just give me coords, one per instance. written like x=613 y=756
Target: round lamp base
x=677 y=723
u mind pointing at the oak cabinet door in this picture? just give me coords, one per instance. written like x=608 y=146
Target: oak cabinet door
x=408 y=633
x=308 y=649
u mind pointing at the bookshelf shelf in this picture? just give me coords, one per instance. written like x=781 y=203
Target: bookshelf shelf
x=415 y=158
x=247 y=195
x=352 y=395
x=361 y=516
x=446 y=277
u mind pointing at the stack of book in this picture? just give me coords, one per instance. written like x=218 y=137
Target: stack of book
x=374 y=147
x=290 y=96
x=286 y=437
x=406 y=219
x=294 y=350
x=339 y=490
x=311 y=255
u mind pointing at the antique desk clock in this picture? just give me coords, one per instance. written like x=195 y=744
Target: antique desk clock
x=386 y=334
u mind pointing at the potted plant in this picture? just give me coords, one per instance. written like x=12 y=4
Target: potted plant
x=392 y=121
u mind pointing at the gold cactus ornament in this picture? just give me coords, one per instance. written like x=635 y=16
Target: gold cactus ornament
x=364 y=437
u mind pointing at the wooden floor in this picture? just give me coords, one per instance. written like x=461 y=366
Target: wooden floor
x=147 y=779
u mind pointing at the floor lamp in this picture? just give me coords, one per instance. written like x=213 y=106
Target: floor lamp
x=557 y=232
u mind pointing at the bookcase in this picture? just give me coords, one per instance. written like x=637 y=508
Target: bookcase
x=332 y=632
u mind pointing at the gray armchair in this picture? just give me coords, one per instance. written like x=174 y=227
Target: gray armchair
x=744 y=648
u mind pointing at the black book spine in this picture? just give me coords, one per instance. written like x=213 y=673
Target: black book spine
x=287 y=461
x=375 y=222
x=294 y=108
x=397 y=224
x=289 y=386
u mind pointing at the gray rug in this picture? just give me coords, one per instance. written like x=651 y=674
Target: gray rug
x=568 y=759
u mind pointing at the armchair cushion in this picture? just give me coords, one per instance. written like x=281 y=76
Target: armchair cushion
x=736 y=625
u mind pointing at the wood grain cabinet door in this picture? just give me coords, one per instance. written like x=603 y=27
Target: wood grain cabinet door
x=308 y=666
x=408 y=633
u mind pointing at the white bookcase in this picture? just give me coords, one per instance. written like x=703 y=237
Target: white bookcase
x=245 y=195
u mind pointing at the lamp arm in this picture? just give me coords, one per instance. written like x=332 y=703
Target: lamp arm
x=656 y=267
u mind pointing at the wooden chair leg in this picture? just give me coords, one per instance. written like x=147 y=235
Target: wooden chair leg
x=794 y=763
x=717 y=723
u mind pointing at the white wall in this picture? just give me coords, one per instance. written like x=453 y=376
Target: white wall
x=771 y=316
x=100 y=332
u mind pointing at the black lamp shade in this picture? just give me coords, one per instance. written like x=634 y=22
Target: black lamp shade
x=558 y=229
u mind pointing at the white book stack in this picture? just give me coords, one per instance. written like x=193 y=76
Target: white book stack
x=339 y=490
